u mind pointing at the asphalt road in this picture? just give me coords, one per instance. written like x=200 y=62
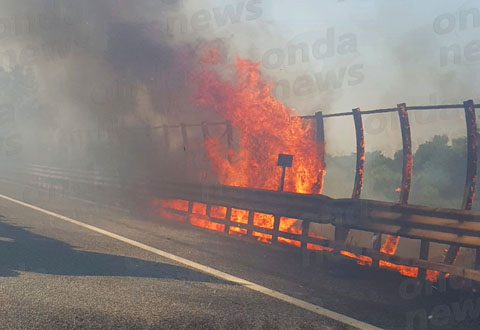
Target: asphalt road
x=57 y=275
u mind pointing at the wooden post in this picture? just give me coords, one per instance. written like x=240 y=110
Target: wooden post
x=407 y=154
x=376 y=245
x=424 y=251
x=320 y=136
x=360 y=163
x=190 y=210
x=305 y=252
x=471 y=177
x=250 y=221
x=407 y=177
x=227 y=219
x=407 y=167
x=276 y=226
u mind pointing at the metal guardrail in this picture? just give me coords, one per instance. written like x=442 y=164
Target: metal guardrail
x=449 y=226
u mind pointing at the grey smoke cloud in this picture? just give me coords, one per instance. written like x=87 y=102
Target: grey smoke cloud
x=112 y=59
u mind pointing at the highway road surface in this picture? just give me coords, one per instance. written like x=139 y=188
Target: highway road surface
x=67 y=263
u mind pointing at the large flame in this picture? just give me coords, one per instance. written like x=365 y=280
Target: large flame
x=265 y=128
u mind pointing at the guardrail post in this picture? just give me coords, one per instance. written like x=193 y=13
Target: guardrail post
x=189 y=210
x=407 y=178
x=360 y=163
x=471 y=177
x=320 y=135
x=407 y=154
x=407 y=167
x=424 y=251
x=305 y=252
x=276 y=226
x=376 y=245
x=228 y=217
x=250 y=222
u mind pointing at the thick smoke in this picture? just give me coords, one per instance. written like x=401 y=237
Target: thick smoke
x=98 y=67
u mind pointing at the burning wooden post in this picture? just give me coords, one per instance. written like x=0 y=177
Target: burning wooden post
x=407 y=178
x=407 y=154
x=391 y=243
x=360 y=164
x=471 y=177
x=472 y=148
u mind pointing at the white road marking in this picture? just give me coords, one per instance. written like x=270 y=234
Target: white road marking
x=211 y=271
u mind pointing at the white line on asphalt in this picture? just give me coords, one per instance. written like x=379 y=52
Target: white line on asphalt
x=224 y=276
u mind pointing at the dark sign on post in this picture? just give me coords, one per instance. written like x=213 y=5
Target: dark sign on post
x=284 y=161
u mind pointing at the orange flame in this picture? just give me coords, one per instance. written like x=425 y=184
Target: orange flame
x=265 y=128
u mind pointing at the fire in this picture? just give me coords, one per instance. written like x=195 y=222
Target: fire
x=264 y=128
x=404 y=270
x=361 y=260
x=390 y=245
x=289 y=225
x=432 y=275
x=218 y=212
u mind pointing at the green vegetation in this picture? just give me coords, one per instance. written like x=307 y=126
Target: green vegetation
x=439 y=169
